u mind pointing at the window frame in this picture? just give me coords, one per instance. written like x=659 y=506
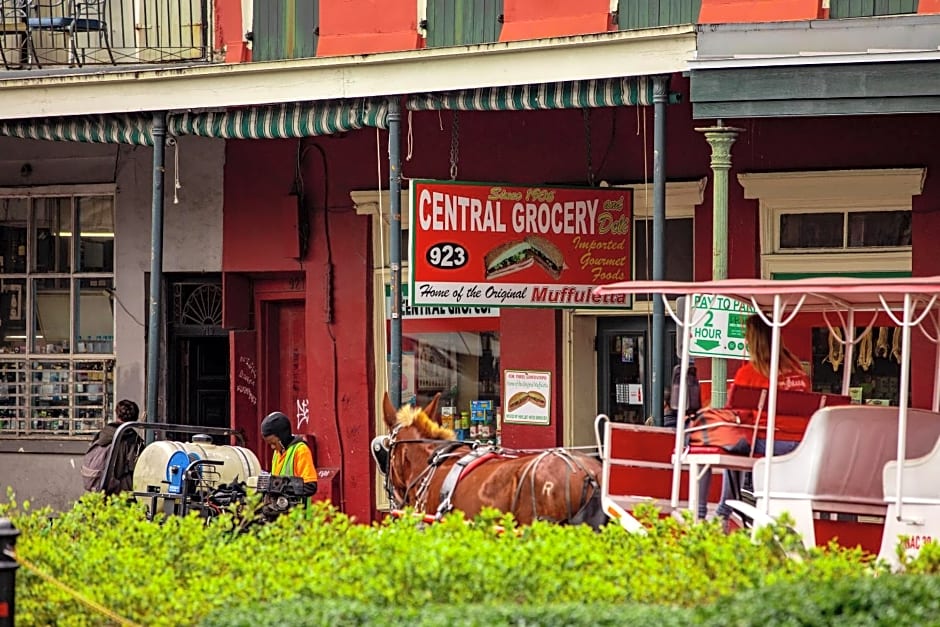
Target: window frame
x=822 y=191
x=682 y=197
x=74 y=373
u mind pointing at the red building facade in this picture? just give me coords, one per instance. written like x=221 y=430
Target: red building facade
x=333 y=287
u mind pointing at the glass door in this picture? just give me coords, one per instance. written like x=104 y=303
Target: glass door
x=624 y=368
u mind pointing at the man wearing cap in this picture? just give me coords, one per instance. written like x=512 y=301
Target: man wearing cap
x=292 y=456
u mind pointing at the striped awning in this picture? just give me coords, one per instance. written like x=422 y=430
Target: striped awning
x=283 y=121
x=102 y=129
x=611 y=92
x=292 y=120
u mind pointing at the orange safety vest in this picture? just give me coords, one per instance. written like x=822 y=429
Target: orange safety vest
x=283 y=465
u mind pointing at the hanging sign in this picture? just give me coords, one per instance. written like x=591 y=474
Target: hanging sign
x=527 y=396
x=494 y=245
x=720 y=329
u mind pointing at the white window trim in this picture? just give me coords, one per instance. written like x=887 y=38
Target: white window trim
x=422 y=6
x=40 y=191
x=681 y=199
x=369 y=203
x=824 y=191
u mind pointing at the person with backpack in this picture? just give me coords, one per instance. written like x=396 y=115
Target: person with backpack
x=693 y=400
x=670 y=415
x=124 y=453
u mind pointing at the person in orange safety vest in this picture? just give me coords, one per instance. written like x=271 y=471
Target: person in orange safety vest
x=292 y=456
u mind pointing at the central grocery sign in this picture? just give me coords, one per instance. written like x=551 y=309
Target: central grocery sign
x=488 y=244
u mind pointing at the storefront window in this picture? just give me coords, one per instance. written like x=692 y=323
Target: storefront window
x=462 y=366
x=875 y=366
x=845 y=229
x=679 y=251
x=56 y=312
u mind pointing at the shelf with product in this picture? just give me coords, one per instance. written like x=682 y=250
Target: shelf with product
x=13 y=397
x=55 y=397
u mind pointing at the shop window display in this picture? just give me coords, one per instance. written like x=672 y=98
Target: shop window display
x=875 y=366
x=462 y=366
x=56 y=312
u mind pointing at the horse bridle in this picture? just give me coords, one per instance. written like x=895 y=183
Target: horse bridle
x=388 y=444
x=383 y=448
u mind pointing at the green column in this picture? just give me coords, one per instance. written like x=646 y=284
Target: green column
x=720 y=138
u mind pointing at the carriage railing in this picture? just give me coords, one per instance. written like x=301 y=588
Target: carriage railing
x=43 y=33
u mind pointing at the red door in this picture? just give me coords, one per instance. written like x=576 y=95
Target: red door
x=285 y=351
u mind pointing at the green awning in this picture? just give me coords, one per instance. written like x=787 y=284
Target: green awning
x=284 y=121
x=102 y=129
x=611 y=92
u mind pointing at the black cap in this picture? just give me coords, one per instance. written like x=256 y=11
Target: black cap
x=277 y=424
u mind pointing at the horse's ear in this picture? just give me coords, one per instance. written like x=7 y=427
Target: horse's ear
x=431 y=409
x=388 y=411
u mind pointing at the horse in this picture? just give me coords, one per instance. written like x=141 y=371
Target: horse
x=427 y=469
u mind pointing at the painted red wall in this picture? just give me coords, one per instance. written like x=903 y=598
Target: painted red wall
x=339 y=352
x=527 y=147
x=260 y=235
x=535 y=19
x=368 y=26
x=928 y=6
x=731 y=11
x=230 y=32
x=529 y=339
x=259 y=222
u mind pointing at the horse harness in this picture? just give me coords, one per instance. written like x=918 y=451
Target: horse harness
x=475 y=458
x=382 y=449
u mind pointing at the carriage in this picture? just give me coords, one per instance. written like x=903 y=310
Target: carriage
x=860 y=475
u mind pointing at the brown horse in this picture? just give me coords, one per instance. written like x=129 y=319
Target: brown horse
x=427 y=469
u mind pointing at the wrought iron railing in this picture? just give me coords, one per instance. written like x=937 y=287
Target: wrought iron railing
x=40 y=33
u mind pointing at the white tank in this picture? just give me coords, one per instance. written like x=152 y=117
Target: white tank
x=152 y=465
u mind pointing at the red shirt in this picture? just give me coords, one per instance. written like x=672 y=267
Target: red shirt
x=748 y=376
x=787 y=427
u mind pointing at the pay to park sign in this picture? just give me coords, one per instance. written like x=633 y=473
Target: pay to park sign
x=494 y=245
x=720 y=329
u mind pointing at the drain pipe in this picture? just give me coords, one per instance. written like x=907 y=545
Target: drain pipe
x=660 y=98
x=156 y=267
x=394 y=191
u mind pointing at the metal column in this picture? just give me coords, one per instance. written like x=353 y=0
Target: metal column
x=721 y=138
x=394 y=190
x=156 y=266
x=658 y=380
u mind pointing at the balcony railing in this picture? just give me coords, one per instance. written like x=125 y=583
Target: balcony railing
x=41 y=33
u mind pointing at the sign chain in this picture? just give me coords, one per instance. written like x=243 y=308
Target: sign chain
x=454 y=146
x=586 y=115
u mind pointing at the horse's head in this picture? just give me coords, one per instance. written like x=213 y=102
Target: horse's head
x=402 y=456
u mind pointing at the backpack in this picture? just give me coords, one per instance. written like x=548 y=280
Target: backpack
x=93 y=464
x=694 y=390
x=722 y=428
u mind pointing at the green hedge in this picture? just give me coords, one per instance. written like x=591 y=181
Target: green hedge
x=180 y=571
x=889 y=601
x=306 y=613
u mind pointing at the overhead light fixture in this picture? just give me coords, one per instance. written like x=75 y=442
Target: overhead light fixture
x=89 y=234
